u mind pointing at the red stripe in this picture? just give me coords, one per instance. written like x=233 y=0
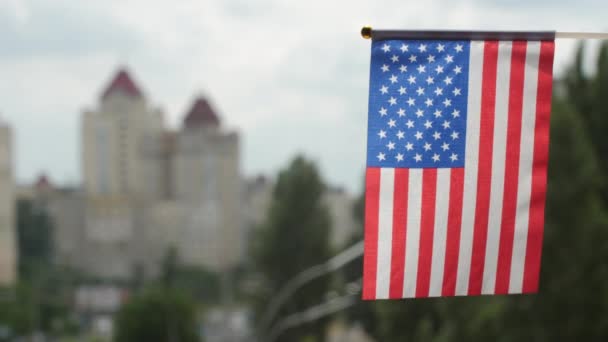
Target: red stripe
x=453 y=234
x=539 y=168
x=427 y=225
x=486 y=140
x=399 y=227
x=509 y=203
x=370 y=256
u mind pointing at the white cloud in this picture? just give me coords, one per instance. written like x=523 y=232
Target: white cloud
x=17 y=9
x=291 y=76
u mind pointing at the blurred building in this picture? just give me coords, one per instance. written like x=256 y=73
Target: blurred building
x=340 y=331
x=344 y=226
x=8 y=239
x=258 y=199
x=148 y=189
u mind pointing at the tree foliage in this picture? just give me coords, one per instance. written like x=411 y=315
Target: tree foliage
x=157 y=315
x=34 y=237
x=295 y=236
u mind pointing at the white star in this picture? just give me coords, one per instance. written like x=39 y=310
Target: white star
x=456 y=113
x=412 y=79
x=392 y=101
x=446 y=124
x=402 y=90
x=383 y=111
x=454 y=135
x=401 y=112
x=440 y=48
x=390 y=145
x=381 y=156
x=403 y=68
x=428 y=102
x=430 y=80
x=413 y=58
x=404 y=48
x=393 y=79
x=445 y=146
x=456 y=91
x=435 y=157
x=439 y=69
x=400 y=135
x=385 y=68
x=438 y=91
x=428 y=124
x=399 y=157
x=436 y=135
x=422 y=48
x=427 y=146
x=421 y=69
x=392 y=123
x=420 y=91
x=458 y=48
x=430 y=59
x=384 y=89
x=447 y=102
x=454 y=157
x=382 y=134
x=395 y=58
x=418 y=135
x=448 y=80
x=449 y=59
x=419 y=113
x=386 y=48
x=409 y=146
x=437 y=113
x=458 y=70
x=411 y=101
x=409 y=124
x=417 y=157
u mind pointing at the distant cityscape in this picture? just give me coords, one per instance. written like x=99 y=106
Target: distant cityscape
x=146 y=190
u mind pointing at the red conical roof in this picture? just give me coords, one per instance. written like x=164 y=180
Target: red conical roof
x=122 y=83
x=201 y=114
x=43 y=182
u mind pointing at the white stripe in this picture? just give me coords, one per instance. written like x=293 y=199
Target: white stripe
x=412 y=240
x=442 y=200
x=470 y=165
x=385 y=232
x=524 y=187
x=499 y=150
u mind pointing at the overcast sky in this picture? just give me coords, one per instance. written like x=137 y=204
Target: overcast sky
x=290 y=76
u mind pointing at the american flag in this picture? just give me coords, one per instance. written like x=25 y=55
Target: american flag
x=457 y=151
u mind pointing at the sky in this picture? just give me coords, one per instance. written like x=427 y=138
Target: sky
x=290 y=76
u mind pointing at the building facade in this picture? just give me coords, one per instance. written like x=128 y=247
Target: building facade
x=147 y=189
x=8 y=239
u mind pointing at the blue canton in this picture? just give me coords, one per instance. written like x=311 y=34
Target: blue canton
x=418 y=104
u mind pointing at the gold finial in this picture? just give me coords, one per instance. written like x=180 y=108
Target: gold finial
x=366 y=32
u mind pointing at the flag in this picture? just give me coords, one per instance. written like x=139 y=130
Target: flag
x=457 y=149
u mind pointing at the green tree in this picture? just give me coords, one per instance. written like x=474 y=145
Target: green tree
x=157 y=315
x=34 y=237
x=295 y=236
x=363 y=312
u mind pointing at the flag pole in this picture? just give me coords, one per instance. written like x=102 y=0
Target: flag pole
x=368 y=33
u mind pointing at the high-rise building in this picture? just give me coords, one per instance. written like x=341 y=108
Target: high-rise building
x=112 y=137
x=207 y=181
x=114 y=176
x=8 y=249
x=148 y=189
